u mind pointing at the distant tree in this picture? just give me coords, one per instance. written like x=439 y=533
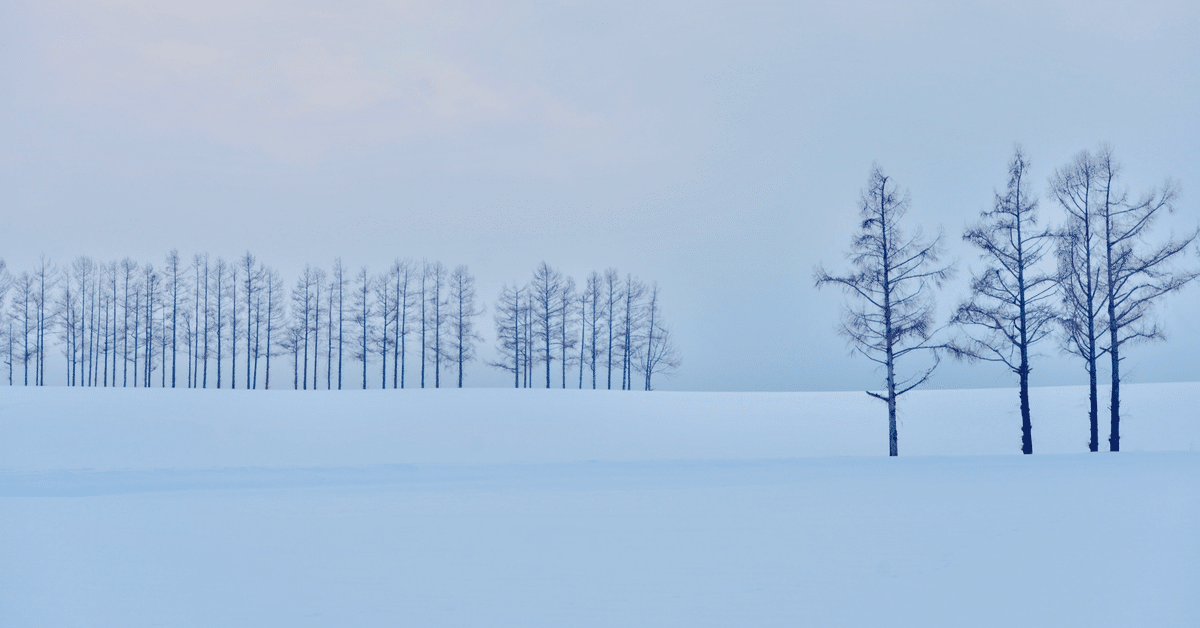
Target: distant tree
x=174 y=271
x=199 y=265
x=331 y=307
x=64 y=306
x=275 y=317
x=235 y=331
x=24 y=312
x=583 y=332
x=403 y=271
x=338 y=284
x=631 y=327
x=1010 y=299
x=507 y=317
x=566 y=335
x=152 y=306
x=424 y=299
x=545 y=289
x=595 y=296
x=462 y=318
x=891 y=311
x=384 y=307
x=219 y=271
x=438 y=311
x=251 y=279
x=318 y=282
x=129 y=277
x=6 y=345
x=362 y=318
x=612 y=301
x=660 y=356
x=302 y=306
x=1136 y=274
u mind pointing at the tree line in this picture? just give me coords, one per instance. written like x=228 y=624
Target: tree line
x=610 y=325
x=1090 y=282
x=213 y=323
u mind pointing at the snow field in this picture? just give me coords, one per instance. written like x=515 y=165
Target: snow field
x=553 y=508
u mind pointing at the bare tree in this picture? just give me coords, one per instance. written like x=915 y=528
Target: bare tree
x=302 y=306
x=251 y=278
x=462 y=318
x=318 y=282
x=891 y=311
x=545 y=289
x=612 y=301
x=384 y=306
x=275 y=316
x=235 y=331
x=1136 y=274
x=151 y=305
x=403 y=272
x=129 y=279
x=438 y=310
x=1080 y=283
x=508 y=332
x=631 y=322
x=1011 y=299
x=566 y=336
x=362 y=318
x=661 y=357
x=173 y=272
x=23 y=311
x=595 y=295
x=46 y=277
x=219 y=283
x=338 y=285
x=423 y=297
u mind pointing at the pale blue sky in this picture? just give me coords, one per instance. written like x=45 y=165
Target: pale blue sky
x=718 y=148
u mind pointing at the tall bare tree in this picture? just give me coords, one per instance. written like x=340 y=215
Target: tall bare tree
x=275 y=317
x=403 y=272
x=611 y=312
x=566 y=335
x=338 y=284
x=631 y=327
x=507 y=317
x=362 y=319
x=890 y=315
x=463 y=336
x=1136 y=273
x=1011 y=299
x=1080 y=283
x=545 y=292
x=660 y=355
x=439 y=307
x=219 y=273
x=174 y=271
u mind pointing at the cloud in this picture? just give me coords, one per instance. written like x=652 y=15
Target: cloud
x=286 y=78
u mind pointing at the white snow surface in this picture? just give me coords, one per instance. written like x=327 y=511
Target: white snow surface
x=490 y=507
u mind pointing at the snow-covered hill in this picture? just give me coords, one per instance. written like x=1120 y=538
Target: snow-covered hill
x=569 y=508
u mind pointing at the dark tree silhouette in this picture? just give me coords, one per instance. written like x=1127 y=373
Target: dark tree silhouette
x=507 y=317
x=891 y=312
x=462 y=318
x=660 y=357
x=1080 y=283
x=1136 y=274
x=1010 y=299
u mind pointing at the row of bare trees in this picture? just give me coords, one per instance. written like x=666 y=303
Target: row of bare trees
x=608 y=326
x=1098 y=296
x=216 y=323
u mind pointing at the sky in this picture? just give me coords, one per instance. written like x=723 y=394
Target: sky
x=716 y=148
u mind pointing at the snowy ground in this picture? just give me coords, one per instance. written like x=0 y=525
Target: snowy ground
x=567 y=508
